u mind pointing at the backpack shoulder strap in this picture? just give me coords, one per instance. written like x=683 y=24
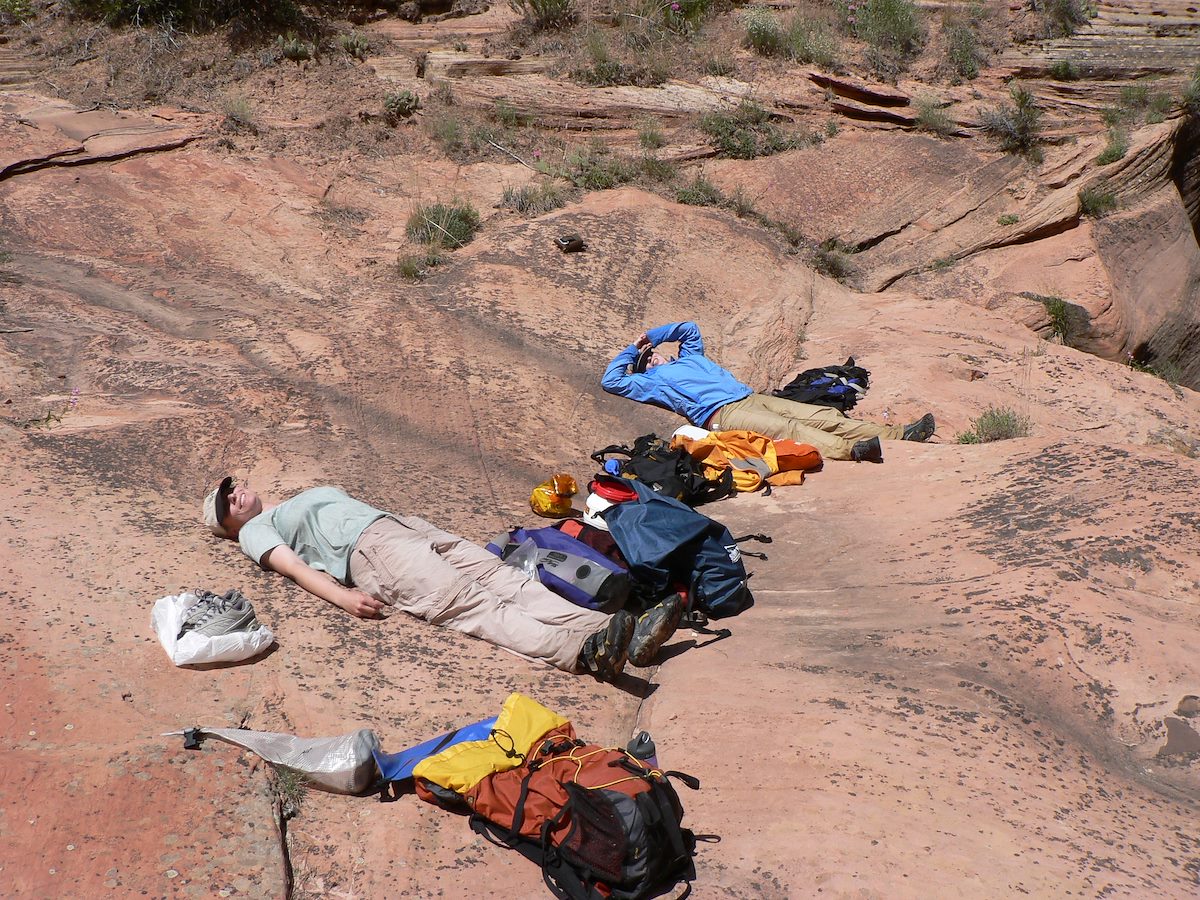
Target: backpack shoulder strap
x=611 y=450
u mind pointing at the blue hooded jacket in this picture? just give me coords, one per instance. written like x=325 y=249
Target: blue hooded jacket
x=693 y=385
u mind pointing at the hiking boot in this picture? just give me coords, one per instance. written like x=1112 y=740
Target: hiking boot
x=215 y=615
x=653 y=628
x=605 y=652
x=867 y=451
x=920 y=430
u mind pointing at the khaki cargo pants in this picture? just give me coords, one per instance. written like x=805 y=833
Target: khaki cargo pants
x=447 y=580
x=825 y=428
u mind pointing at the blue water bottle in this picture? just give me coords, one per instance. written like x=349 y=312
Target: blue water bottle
x=642 y=747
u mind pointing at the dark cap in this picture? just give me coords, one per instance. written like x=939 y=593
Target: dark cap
x=643 y=359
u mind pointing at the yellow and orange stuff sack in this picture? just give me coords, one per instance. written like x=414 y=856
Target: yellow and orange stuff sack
x=754 y=459
x=552 y=498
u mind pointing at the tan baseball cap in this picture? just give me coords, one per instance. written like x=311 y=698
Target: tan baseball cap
x=216 y=506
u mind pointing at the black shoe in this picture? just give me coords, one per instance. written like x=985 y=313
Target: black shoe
x=605 y=652
x=653 y=628
x=920 y=430
x=867 y=451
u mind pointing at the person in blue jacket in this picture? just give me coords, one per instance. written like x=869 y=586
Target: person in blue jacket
x=709 y=396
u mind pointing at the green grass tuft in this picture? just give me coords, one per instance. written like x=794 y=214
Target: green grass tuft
x=700 y=192
x=1096 y=203
x=535 y=199
x=1064 y=70
x=450 y=225
x=1117 y=147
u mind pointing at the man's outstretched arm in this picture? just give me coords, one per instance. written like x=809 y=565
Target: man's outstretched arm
x=618 y=380
x=284 y=560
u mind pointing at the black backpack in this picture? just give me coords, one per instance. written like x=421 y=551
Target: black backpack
x=838 y=386
x=672 y=473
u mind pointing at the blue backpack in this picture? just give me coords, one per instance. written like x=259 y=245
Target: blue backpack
x=567 y=566
x=667 y=543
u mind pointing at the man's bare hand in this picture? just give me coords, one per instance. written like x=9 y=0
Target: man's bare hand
x=361 y=604
x=642 y=342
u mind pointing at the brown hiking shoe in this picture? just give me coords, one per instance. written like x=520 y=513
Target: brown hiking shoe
x=920 y=430
x=605 y=652
x=652 y=630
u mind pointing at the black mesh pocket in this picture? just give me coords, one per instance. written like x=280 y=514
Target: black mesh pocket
x=597 y=840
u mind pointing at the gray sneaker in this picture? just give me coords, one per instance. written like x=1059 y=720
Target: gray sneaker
x=215 y=615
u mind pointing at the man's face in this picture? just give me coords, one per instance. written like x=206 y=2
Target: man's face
x=657 y=359
x=244 y=505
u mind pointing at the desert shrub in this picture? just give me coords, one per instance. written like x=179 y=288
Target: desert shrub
x=700 y=192
x=447 y=131
x=603 y=68
x=506 y=114
x=965 y=53
x=659 y=171
x=747 y=132
x=1134 y=96
x=414 y=266
x=544 y=14
x=996 y=423
x=1064 y=70
x=535 y=199
x=832 y=258
x=201 y=14
x=450 y=225
x=1064 y=17
x=400 y=105
x=596 y=169
x=893 y=26
x=354 y=44
x=684 y=16
x=741 y=203
x=719 y=64
x=800 y=38
x=1016 y=128
x=15 y=10
x=1116 y=148
x=810 y=42
x=832 y=128
x=763 y=33
x=1096 y=203
x=1191 y=95
x=1008 y=219
x=1157 y=107
x=295 y=48
x=650 y=136
x=237 y=111
x=933 y=118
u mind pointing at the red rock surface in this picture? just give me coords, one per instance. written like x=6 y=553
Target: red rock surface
x=957 y=674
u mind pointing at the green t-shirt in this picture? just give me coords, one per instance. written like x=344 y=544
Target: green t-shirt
x=321 y=524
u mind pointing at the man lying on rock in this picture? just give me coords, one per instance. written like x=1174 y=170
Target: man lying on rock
x=709 y=396
x=369 y=562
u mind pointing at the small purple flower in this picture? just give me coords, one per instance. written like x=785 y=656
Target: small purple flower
x=74 y=397
x=537 y=154
x=675 y=7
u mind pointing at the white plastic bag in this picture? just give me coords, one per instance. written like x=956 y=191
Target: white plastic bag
x=168 y=616
x=340 y=765
x=525 y=558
